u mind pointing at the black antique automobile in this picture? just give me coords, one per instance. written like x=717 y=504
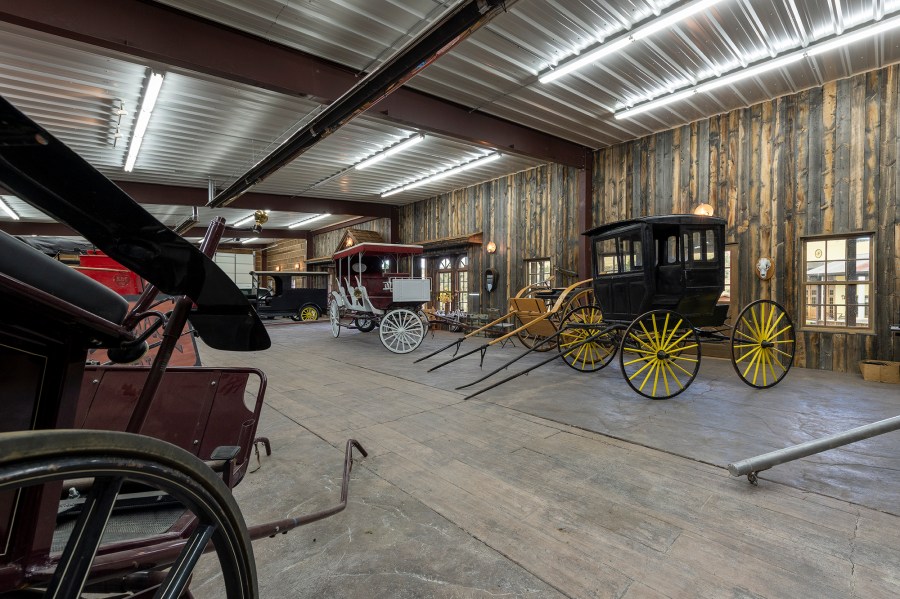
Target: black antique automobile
x=299 y=295
x=114 y=480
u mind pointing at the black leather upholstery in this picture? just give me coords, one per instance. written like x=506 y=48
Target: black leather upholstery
x=26 y=264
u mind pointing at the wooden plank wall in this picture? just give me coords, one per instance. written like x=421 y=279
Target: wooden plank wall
x=324 y=245
x=531 y=214
x=821 y=161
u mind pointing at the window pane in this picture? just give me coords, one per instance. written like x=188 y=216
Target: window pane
x=607 y=260
x=697 y=245
x=815 y=270
x=836 y=249
x=445 y=264
x=815 y=250
x=710 y=245
x=672 y=250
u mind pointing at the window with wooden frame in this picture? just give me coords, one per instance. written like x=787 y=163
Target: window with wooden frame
x=537 y=270
x=837 y=286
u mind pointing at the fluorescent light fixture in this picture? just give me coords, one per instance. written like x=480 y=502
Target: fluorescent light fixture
x=445 y=173
x=7 y=208
x=137 y=136
x=308 y=220
x=403 y=145
x=638 y=34
x=252 y=239
x=769 y=65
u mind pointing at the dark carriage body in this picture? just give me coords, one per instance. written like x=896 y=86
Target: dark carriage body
x=674 y=262
x=289 y=293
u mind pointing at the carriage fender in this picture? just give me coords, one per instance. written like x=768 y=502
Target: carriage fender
x=339 y=299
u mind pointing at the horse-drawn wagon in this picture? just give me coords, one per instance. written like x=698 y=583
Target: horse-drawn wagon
x=656 y=286
x=372 y=292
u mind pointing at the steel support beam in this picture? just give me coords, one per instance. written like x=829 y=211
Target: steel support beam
x=61 y=230
x=585 y=217
x=171 y=195
x=149 y=31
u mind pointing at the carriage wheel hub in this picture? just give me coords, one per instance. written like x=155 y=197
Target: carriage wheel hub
x=661 y=355
x=766 y=344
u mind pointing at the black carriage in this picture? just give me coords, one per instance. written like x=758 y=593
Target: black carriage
x=299 y=295
x=657 y=283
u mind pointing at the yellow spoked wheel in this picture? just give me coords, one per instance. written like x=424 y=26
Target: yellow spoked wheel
x=660 y=354
x=763 y=344
x=309 y=313
x=582 y=343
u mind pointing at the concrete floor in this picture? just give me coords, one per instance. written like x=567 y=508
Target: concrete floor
x=561 y=484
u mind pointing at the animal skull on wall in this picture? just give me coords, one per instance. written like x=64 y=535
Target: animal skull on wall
x=765 y=269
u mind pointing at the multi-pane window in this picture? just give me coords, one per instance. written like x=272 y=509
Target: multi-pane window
x=606 y=257
x=537 y=270
x=444 y=283
x=632 y=258
x=725 y=298
x=838 y=281
x=462 y=284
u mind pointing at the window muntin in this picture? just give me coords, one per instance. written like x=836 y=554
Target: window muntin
x=700 y=245
x=537 y=270
x=632 y=257
x=838 y=282
x=605 y=256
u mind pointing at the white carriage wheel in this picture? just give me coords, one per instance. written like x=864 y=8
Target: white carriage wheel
x=334 y=312
x=401 y=331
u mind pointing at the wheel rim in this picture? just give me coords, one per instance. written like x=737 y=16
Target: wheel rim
x=334 y=313
x=364 y=324
x=763 y=344
x=533 y=341
x=580 y=324
x=309 y=313
x=660 y=354
x=401 y=331
x=111 y=459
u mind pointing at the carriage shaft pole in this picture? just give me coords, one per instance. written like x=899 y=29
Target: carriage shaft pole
x=795 y=452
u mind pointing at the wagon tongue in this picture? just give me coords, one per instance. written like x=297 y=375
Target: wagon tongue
x=42 y=171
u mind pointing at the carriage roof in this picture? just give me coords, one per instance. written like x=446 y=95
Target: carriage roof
x=378 y=249
x=662 y=220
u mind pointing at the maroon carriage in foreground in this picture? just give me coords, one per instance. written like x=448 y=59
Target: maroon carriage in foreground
x=114 y=480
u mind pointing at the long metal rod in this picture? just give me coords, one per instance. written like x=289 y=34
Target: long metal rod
x=434 y=42
x=516 y=375
x=795 y=452
x=506 y=365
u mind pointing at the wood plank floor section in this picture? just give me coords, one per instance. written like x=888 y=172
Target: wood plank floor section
x=586 y=514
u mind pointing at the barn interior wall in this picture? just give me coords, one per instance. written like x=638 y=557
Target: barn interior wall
x=289 y=254
x=530 y=214
x=818 y=162
x=324 y=244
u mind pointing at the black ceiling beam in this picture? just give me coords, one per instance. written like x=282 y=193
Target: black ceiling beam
x=61 y=230
x=153 y=32
x=171 y=195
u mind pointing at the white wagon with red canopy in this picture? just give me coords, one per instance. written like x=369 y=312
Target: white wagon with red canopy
x=372 y=291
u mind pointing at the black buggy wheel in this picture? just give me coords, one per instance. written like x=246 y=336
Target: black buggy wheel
x=364 y=324
x=578 y=326
x=660 y=354
x=113 y=462
x=763 y=344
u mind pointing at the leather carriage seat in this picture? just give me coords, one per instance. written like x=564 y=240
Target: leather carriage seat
x=26 y=264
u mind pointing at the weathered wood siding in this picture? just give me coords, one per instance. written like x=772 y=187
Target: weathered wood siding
x=821 y=161
x=531 y=214
x=324 y=245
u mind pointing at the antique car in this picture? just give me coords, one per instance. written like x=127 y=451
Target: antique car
x=299 y=295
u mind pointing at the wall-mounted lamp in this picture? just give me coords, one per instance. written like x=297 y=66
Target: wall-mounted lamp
x=491 y=247
x=704 y=210
x=296 y=266
x=278 y=269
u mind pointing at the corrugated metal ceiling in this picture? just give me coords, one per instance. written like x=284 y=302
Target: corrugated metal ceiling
x=206 y=128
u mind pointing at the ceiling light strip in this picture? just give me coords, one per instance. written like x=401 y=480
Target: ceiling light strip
x=638 y=34
x=394 y=149
x=8 y=209
x=445 y=173
x=251 y=240
x=245 y=220
x=154 y=84
x=308 y=220
x=769 y=65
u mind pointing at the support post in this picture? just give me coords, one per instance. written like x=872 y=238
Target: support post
x=585 y=217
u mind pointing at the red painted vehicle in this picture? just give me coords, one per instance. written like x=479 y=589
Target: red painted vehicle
x=114 y=480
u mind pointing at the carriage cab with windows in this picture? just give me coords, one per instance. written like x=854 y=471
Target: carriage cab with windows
x=673 y=262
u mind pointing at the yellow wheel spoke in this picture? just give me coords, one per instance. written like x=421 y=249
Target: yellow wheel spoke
x=640 y=370
x=677 y=341
x=669 y=342
x=678 y=350
x=785 y=354
x=774 y=326
x=683 y=359
x=636 y=360
x=640 y=351
x=781 y=342
x=682 y=369
x=656 y=370
x=651 y=367
x=775 y=335
x=675 y=377
x=752 y=355
x=743 y=334
x=743 y=345
x=651 y=342
x=748 y=354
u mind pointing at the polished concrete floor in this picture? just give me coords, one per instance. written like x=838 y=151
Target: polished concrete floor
x=561 y=484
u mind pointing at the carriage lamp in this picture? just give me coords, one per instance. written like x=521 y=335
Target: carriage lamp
x=704 y=210
x=491 y=247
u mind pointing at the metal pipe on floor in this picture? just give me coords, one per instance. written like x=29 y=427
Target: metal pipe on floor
x=795 y=452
